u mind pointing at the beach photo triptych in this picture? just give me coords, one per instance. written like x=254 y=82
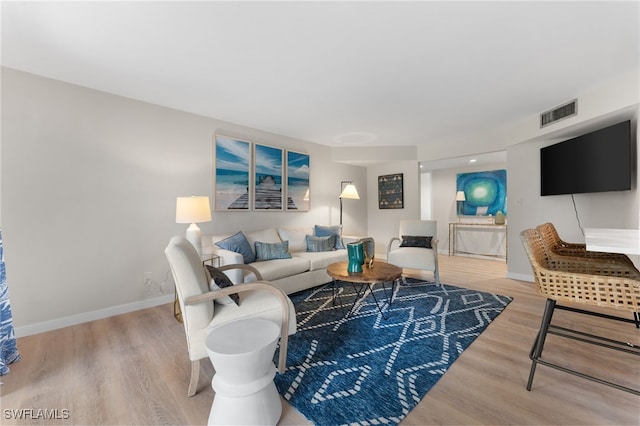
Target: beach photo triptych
x=251 y=176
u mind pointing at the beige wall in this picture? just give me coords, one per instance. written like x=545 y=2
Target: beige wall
x=89 y=182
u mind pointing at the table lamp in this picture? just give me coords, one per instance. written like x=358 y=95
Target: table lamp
x=460 y=197
x=194 y=209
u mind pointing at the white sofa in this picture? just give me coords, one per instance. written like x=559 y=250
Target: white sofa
x=303 y=270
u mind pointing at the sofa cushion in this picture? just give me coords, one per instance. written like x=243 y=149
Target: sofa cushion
x=218 y=281
x=323 y=231
x=269 y=235
x=280 y=268
x=320 y=243
x=269 y=251
x=296 y=237
x=320 y=260
x=239 y=244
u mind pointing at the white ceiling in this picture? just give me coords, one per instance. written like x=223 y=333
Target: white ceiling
x=335 y=73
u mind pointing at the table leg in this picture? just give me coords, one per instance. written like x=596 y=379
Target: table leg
x=361 y=294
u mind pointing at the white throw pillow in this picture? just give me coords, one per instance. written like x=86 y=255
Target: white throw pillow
x=296 y=238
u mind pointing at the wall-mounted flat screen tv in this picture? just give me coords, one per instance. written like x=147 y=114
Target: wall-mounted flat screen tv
x=599 y=161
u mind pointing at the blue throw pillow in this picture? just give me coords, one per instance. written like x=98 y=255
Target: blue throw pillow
x=324 y=231
x=268 y=251
x=239 y=244
x=320 y=243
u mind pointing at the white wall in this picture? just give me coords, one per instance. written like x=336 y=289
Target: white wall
x=443 y=184
x=609 y=103
x=384 y=224
x=527 y=208
x=89 y=182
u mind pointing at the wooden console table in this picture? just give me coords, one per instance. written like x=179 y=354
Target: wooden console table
x=453 y=233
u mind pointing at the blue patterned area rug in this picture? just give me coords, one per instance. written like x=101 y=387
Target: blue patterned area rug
x=366 y=369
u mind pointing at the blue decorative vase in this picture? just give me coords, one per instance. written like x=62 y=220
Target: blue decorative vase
x=355 y=251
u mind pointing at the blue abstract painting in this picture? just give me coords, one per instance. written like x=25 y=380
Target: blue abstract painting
x=485 y=192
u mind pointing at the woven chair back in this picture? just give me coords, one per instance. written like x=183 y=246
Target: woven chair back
x=612 y=285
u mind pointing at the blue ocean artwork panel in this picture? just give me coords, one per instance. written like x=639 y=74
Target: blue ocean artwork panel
x=297 y=181
x=485 y=192
x=233 y=162
x=268 y=178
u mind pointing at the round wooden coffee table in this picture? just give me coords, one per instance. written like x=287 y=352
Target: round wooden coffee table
x=381 y=272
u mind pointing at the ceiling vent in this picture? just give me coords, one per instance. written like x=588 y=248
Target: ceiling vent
x=559 y=113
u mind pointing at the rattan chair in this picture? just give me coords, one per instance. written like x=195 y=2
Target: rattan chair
x=557 y=247
x=579 y=282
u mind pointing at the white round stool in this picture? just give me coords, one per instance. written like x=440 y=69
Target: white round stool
x=242 y=354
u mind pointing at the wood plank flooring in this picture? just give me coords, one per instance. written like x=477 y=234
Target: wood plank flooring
x=133 y=369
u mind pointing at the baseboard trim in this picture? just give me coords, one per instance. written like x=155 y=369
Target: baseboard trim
x=520 y=277
x=44 y=326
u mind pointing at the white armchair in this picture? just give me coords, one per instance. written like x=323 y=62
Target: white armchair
x=415 y=253
x=258 y=299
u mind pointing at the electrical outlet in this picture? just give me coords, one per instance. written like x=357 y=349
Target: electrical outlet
x=151 y=288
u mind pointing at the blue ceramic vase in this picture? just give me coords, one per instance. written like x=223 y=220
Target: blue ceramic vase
x=355 y=251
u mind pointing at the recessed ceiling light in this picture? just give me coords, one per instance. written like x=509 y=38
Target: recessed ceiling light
x=355 y=138
x=473 y=160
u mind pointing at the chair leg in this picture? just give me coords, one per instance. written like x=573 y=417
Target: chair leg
x=284 y=343
x=538 y=345
x=436 y=275
x=195 y=375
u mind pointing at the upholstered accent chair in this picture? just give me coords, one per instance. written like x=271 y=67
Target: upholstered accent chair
x=200 y=314
x=416 y=246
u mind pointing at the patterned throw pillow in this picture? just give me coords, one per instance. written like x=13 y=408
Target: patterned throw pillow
x=238 y=243
x=268 y=251
x=320 y=243
x=324 y=231
x=414 y=241
x=219 y=281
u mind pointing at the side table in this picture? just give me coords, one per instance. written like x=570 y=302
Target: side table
x=242 y=355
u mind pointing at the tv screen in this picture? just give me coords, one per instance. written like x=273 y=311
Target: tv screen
x=596 y=162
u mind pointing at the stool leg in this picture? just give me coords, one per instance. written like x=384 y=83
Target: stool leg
x=538 y=345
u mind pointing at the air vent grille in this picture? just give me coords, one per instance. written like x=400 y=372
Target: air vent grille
x=563 y=111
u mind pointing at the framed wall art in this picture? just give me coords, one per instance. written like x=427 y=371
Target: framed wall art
x=391 y=191
x=485 y=193
x=268 y=166
x=232 y=169
x=297 y=193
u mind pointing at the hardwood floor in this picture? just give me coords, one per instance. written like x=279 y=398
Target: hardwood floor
x=133 y=369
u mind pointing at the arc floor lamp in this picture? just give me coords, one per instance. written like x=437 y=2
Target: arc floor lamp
x=349 y=192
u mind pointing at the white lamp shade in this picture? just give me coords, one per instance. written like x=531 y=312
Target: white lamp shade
x=194 y=209
x=350 y=192
x=460 y=196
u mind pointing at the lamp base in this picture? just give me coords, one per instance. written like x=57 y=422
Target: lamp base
x=194 y=237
